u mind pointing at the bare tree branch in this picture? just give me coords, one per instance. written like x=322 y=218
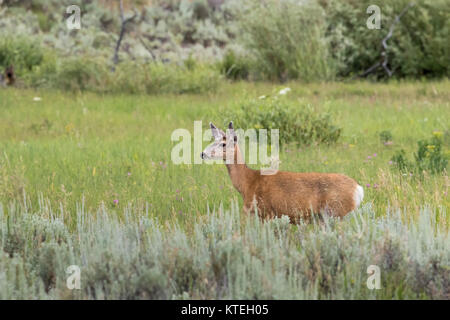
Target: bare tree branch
x=124 y=21
x=384 y=53
x=368 y=71
x=147 y=48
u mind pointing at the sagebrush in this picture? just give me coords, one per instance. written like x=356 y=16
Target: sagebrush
x=222 y=256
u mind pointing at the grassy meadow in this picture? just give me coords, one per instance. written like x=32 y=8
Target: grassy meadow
x=87 y=179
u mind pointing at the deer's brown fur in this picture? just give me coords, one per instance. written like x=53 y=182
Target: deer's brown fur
x=296 y=195
x=290 y=193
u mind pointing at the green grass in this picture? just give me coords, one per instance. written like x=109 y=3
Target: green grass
x=89 y=143
x=69 y=149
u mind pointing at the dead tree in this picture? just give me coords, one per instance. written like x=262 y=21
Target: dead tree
x=384 y=54
x=146 y=47
x=123 y=24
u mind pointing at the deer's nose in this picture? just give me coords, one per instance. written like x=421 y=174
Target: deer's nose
x=202 y=155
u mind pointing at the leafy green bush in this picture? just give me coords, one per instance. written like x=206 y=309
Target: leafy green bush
x=287 y=40
x=235 y=67
x=385 y=137
x=297 y=123
x=21 y=52
x=86 y=73
x=401 y=162
x=430 y=157
x=164 y=78
x=418 y=46
x=45 y=74
x=78 y=74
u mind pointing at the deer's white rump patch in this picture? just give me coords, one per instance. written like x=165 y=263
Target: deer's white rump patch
x=358 y=195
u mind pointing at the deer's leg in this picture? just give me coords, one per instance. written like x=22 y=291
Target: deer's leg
x=246 y=209
x=250 y=206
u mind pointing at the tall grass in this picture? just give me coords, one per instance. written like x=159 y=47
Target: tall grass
x=109 y=147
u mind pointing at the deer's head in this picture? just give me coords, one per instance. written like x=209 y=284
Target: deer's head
x=223 y=145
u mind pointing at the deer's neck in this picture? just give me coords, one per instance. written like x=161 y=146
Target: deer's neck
x=241 y=176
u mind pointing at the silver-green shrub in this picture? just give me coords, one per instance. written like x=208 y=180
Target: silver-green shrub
x=222 y=255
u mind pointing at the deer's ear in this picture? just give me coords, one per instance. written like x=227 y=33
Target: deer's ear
x=215 y=132
x=231 y=131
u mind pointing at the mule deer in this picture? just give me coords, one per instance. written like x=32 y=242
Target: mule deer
x=297 y=195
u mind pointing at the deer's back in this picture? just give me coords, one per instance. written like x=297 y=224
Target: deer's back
x=297 y=194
